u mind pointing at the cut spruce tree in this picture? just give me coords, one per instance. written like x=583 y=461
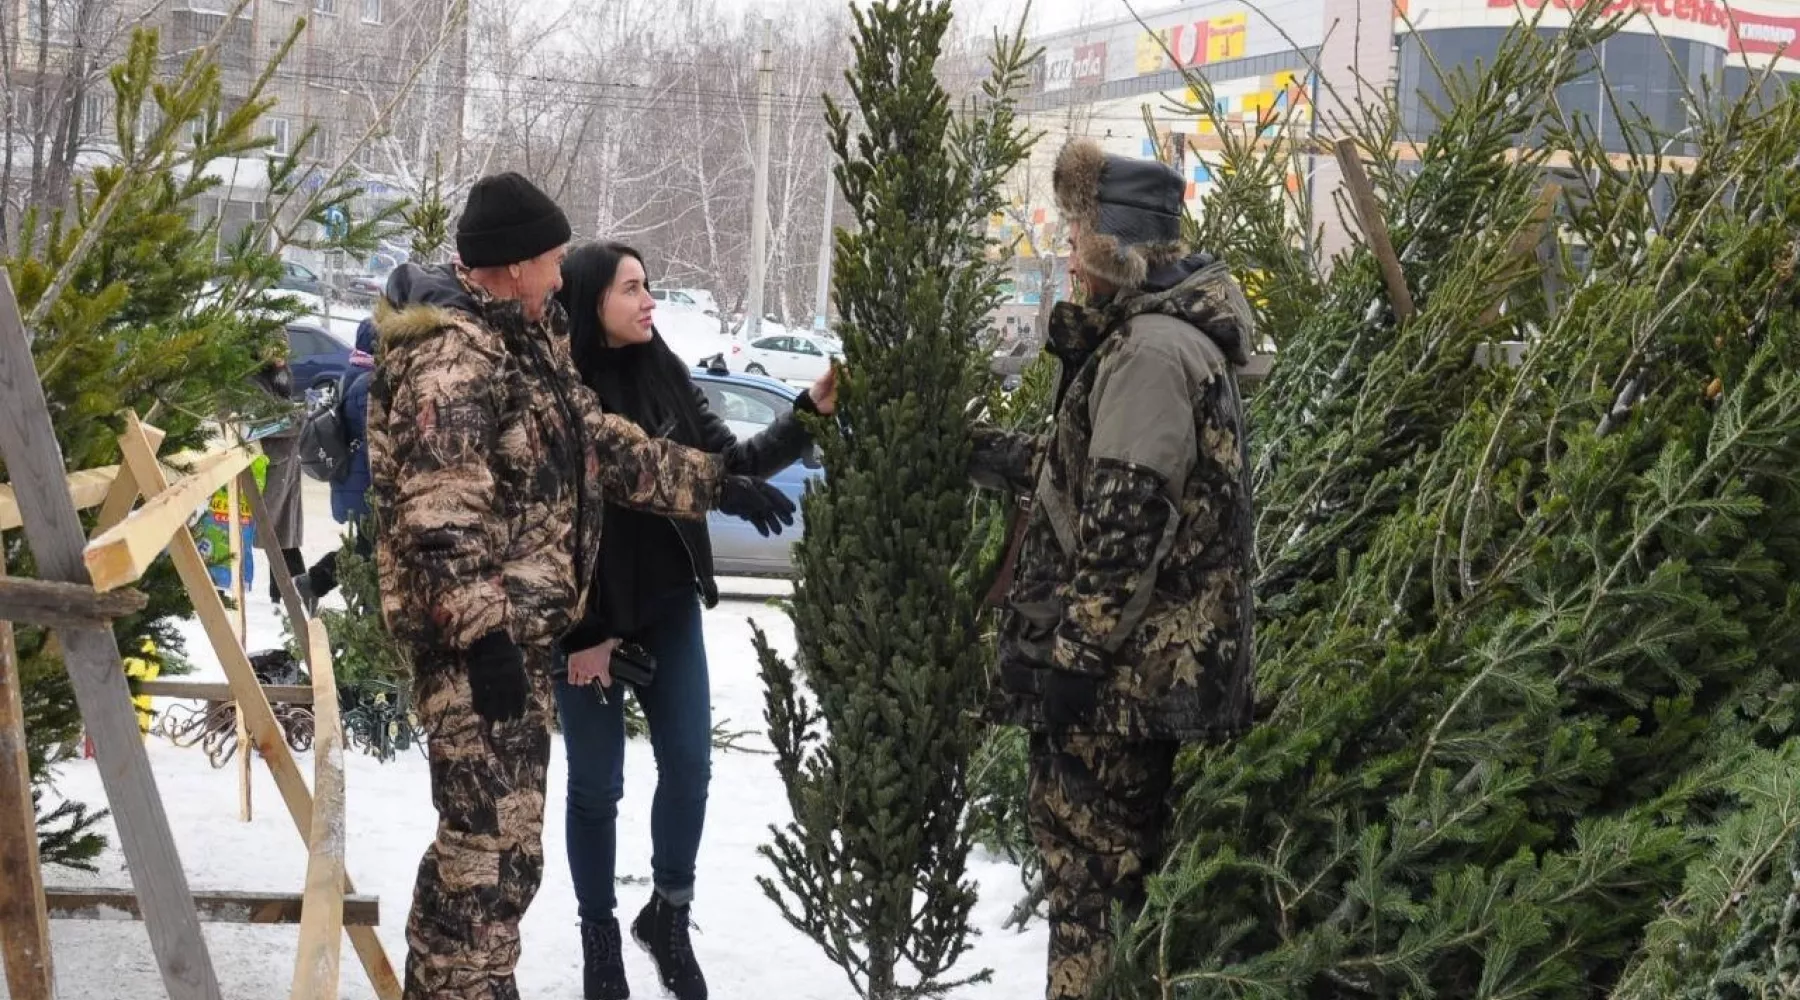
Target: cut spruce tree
x=139 y=304
x=1526 y=630
x=874 y=721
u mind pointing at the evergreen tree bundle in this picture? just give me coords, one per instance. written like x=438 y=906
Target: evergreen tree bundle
x=1523 y=630
x=874 y=722
x=150 y=313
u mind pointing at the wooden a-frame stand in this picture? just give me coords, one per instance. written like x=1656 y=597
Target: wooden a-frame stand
x=78 y=595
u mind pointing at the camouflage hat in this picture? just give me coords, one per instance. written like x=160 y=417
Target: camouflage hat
x=1129 y=211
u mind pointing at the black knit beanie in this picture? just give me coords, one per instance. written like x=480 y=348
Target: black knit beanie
x=507 y=220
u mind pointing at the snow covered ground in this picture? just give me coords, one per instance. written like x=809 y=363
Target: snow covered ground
x=749 y=952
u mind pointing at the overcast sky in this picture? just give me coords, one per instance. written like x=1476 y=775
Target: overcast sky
x=1046 y=15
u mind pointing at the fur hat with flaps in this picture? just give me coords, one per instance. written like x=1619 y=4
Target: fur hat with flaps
x=1129 y=211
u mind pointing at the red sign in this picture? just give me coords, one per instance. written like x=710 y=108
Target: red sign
x=1710 y=13
x=1090 y=64
x=1765 y=35
x=1758 y=34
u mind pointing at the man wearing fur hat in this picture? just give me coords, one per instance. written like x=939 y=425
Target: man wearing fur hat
x=492 y=465
x=1127 y=622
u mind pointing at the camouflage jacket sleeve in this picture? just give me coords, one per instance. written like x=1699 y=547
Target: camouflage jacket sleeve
x=443 y=426
x=655 y=475
x=1003 y=460
x=1142 y=448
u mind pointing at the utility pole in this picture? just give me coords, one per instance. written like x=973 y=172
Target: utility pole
x=822 y=307
x=759 y=198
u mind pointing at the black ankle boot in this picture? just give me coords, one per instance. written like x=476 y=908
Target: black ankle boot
x=602 y=962
x=662 y=930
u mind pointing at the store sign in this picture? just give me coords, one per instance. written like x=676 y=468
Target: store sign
x=1059 y=69
x=1738 y=30
x=1765 y=35
x=1090 y=64
x=1197 y=44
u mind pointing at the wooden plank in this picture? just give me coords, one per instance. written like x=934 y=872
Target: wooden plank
x=1256 y=369
x=214 y=907
x=277 y=694
x=1374 y=227
x=1523 y=243
x=252 y=705
x=122 y=553
x=86 y=488
x=125 y=491
x=97 y=673
x=368 y=946
x=64 y=605
x=271 y=547
x=234 y=532
x=322 y=920
x=24 y=925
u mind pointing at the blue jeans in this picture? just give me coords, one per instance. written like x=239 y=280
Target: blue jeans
x=678 y=708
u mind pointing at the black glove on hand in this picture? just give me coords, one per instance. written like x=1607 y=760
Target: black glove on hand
x=498 y=686
x=756 y=501
x=1070 y=699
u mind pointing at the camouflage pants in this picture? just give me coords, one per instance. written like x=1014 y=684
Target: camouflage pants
x=481 y=872
x=1098 y=807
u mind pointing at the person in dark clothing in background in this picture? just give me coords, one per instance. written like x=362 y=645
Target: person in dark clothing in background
x=349 y=496
x=281 y=485
x=653 y=575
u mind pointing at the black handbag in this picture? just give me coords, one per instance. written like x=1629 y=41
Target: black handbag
x=633 y=664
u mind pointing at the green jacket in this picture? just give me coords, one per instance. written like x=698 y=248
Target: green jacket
x=1135 y=564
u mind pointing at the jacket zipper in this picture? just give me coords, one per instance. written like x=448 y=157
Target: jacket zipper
x=664 y=431
x=572 y=432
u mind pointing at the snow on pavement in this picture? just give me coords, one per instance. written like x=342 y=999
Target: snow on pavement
x=748 y=950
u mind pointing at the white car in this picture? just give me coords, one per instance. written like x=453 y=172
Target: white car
x=680 y=299
x=788 y=356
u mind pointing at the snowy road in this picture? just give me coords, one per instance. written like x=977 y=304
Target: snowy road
x=748 y=951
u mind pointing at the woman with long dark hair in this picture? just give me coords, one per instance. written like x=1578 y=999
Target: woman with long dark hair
x=647 y=592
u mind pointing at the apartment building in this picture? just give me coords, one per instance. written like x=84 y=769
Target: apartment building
x=338 y=84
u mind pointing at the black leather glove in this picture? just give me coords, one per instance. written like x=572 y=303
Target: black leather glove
x=498 y=686
x=1070 y=699
x=756 y=501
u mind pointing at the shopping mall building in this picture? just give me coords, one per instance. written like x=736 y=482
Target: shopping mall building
x=1097 y=80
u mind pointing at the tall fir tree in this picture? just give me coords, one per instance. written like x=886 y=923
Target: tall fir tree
x=1524 y=631
x=874 y=723
x=148 y=309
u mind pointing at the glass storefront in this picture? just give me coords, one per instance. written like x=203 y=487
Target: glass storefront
x=1654 y=81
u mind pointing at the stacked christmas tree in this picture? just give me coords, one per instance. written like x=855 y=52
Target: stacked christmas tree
x=1525 y=625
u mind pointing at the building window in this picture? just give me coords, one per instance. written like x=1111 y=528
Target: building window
x=371 y=11
x=61 y=17
x=97 y=113
x=325 y=6
x=320 y=149
x=278 y=129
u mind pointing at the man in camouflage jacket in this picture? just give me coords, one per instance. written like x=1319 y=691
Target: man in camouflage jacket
x=491 y=465
x=1127 y=625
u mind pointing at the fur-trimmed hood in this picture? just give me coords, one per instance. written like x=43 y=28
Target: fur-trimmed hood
x=1128 y=211
x=419 y=302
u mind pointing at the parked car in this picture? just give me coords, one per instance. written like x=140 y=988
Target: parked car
x=361 y=288
x=748 y=404
x=693 y=336
x=675 y=298
x=318 y=361
x=698 y=299
x=789 y=356
x=296 y=278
